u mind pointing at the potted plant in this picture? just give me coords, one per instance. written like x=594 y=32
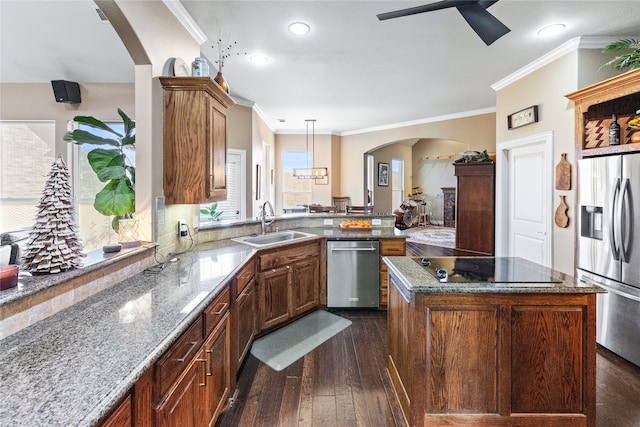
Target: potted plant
x=211 y=211
x=110 y=164
x=630 y=60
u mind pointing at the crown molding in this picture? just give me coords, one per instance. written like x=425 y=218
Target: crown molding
x=420 y=121
x=584 y=42
x=186 y=20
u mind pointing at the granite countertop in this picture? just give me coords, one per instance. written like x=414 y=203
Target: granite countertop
x=336 y=233
x=415 y=279
x=71 y=368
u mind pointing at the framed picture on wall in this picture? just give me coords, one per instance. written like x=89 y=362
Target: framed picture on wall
x=383 y=174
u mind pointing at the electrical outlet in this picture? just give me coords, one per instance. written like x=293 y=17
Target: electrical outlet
x=328 y=221
x=376 y=221
x=183 y=229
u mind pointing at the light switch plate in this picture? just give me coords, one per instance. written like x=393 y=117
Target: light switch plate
x=328 y=221
x=376 y=221
x=376 y=233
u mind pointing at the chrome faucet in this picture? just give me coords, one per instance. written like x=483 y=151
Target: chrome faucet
x=265 y=223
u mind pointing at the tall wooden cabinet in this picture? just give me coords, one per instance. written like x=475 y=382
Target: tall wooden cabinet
x=195 y=140
x=475 y=207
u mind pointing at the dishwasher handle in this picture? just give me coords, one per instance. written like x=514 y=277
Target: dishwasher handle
x=354 y=249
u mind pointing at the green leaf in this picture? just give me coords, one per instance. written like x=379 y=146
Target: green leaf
x=204 y=211
x=111 y=172
x=116 y=198
x=100 y=158
x=95 y=123
x=84 y=137
x=129 y=125
x=129 y=140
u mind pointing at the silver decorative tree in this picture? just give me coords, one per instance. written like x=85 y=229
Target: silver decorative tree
x=54 y=244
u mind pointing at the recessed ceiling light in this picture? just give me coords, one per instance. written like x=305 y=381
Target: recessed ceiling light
x=299 y=28
x=551 y=30
x=258 y=59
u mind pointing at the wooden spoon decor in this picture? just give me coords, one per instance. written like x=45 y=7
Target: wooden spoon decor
x=563 y=173
x=561 y=218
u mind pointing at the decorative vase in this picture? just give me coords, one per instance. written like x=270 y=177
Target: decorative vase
x=221 y=82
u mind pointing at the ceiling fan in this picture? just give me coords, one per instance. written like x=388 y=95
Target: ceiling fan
x=474 y=12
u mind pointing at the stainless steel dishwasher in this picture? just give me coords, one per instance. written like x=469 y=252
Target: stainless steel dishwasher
x=353 y=273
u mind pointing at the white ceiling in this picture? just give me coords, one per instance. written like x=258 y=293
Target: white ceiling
x=351 y=72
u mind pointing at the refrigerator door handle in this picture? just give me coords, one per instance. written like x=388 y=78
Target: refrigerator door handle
x=626 y=233
x=615 y=250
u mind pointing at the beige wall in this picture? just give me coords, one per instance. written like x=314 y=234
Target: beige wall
x=547 y=88
x=477 y=132
x=433 y=169
x=262 y=135
x=382 y=196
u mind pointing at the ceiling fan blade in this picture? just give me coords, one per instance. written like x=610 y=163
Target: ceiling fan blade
x=487 y=26
x=424 y=8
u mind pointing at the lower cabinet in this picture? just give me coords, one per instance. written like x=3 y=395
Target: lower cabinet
x=121 y=416
x=245 y=314
x=192 y=381
x=288 y=284
x=389 y=247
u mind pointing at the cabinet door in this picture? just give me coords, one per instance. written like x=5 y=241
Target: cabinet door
x=184 y=404
x=305 y=285
x=217 y=351
x=217 y=178
x=121 y=416
x=274 y=296
x=245 y=312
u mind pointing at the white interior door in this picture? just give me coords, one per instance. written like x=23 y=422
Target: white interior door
x=524 y=204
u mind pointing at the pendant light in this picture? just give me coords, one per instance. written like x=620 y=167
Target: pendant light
x=310 y=172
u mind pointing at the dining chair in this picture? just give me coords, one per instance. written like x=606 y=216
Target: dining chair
x=341 y=203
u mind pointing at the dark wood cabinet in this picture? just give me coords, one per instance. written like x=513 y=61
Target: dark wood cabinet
x=121 y=416
x=274 y=296
x=492 y=359
x=594 y=106
x=192 y=380
x=288 y=284
x=244 y=313
x=305 y=289
x=389 y=247
x=475 y=207
x=195 y=140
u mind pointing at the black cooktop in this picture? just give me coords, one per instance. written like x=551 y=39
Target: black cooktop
x=485 y=269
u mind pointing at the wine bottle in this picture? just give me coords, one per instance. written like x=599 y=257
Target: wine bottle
x=614 y=131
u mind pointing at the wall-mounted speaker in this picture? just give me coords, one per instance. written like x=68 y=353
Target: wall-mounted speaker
x=65 y=91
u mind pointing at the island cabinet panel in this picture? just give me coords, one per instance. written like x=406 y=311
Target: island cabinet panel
x=492 y=359
x=244 y=313
x=546 y=358
x=462 y=359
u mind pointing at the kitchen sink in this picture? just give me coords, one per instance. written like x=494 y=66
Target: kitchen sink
x=268 y=239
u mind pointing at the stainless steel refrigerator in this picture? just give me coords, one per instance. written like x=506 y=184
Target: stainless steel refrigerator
x=609 y=247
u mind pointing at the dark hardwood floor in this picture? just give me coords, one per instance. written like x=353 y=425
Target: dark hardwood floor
x=345 y=382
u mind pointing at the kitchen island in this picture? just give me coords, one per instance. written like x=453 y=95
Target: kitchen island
x=491 y=351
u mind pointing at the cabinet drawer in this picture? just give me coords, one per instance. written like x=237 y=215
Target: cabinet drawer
x=392 y=247
x=244 y=277
x=288 y=256
x=216 y=311
x=177 y=358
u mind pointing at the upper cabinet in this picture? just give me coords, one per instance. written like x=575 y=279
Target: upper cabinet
x=594 y=107
x=195 y=140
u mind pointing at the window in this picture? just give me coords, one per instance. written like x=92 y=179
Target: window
x=232 y=208
x=295 y=191
x=397 y=182
x=95 y=228
x=27 y=151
